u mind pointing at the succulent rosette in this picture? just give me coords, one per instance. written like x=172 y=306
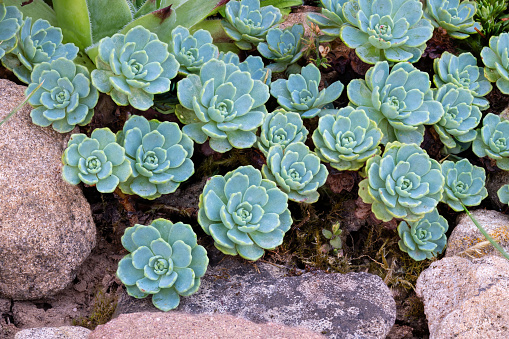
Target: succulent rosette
x=456 y=17
x=10 y=23
x=296 y=170
x=493 y=140
x=244 y=213
x=403 y=183
x=503 y=194
x=464 y=184
x=164 y=260
x=247 y=23
x=399 y=101
x=37 y=43
x=159 y=154
x=462 y=71
x=456 y=128
x=346 y=139
x=496 y=59
x=97 y=160
x=386 y=30
x=191 y=50
x=133 y=67
x=283 y=47
x=253 y=64
x=300 y=92
x=425 y=238
x=66 y=97
x=228 y=105
x=331 y=19
x=281 y=128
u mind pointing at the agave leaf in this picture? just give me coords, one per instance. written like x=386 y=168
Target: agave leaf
x=159 y=22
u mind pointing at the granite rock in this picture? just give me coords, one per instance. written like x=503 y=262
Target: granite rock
x=466 y=298
x=353 y=305
x=46 y=226
x=65 y=332
x=465 y=234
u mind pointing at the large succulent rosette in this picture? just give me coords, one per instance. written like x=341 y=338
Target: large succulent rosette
x=281 y=128
x=400 y=101
x=159 y=154
x=164 y=260
x=244 y=213
x=403 y=183
x=456 y=17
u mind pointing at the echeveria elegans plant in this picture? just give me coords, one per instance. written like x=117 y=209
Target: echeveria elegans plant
x=253 y=64
x=403 y=183
x=496 y=59
x=281 y=128
x=244 y=213
x=66 y=97
x=300 y=92
x=159 y=154
x=133 y=67
x=283 y=47
x=393 y=30
x=425 y=238
x=10 y=22
x=346 y=138
x=164 y=260
x=97 y=160
x=400 y=101
x=296 y=170
x=493 y=140
x=456 y=17
x=464 y=184
x=228 y=105
x=331 y=20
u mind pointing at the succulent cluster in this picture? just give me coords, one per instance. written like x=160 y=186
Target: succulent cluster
x=493 y=140
x=300 y=92
x=403 y=183
x=454 y=16
x=281 y=128
x=347 y=139
x=164 y=260
x=425 y=238
x=244 y=213
x=133 y=67
x=283 y=47
x=496 y=59
x=400 y=101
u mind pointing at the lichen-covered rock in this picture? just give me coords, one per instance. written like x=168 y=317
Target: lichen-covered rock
x=466 y=299
x=465 y=234
x=64 y=332
x=46 y=227
x=353 y=305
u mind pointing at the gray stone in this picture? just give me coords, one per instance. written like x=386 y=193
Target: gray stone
x=183 y=325
x=65 y=332
x=46 y=226
x=353 y=305
x=466 y=298
x=493 y=184
x=467 y=238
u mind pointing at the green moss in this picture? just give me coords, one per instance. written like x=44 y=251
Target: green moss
x=102 y=311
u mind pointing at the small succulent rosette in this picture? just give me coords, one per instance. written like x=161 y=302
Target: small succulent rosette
x=37 y=43
x=456 y=17
x=244 y=213
x=191 y=50
x=10 y=23
x=493 y=140
x=300 y=92
x=462 y=71
x=496 y=59
x=159 y=154
x=423 y=239
x=456 y=128
x=66 y=97
x=283 y=47
x=400 y=101
x=132 y=67
x=226 y=105
x=253 y=64
x=346 y=139
x=281 y=128
x=164 y=260
x=403 y=183
x=97 y=160
x=331 y=19
x=386 y=30
x=296 y=170
x=464 y=184
x=503 y=194
x=247 y=23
